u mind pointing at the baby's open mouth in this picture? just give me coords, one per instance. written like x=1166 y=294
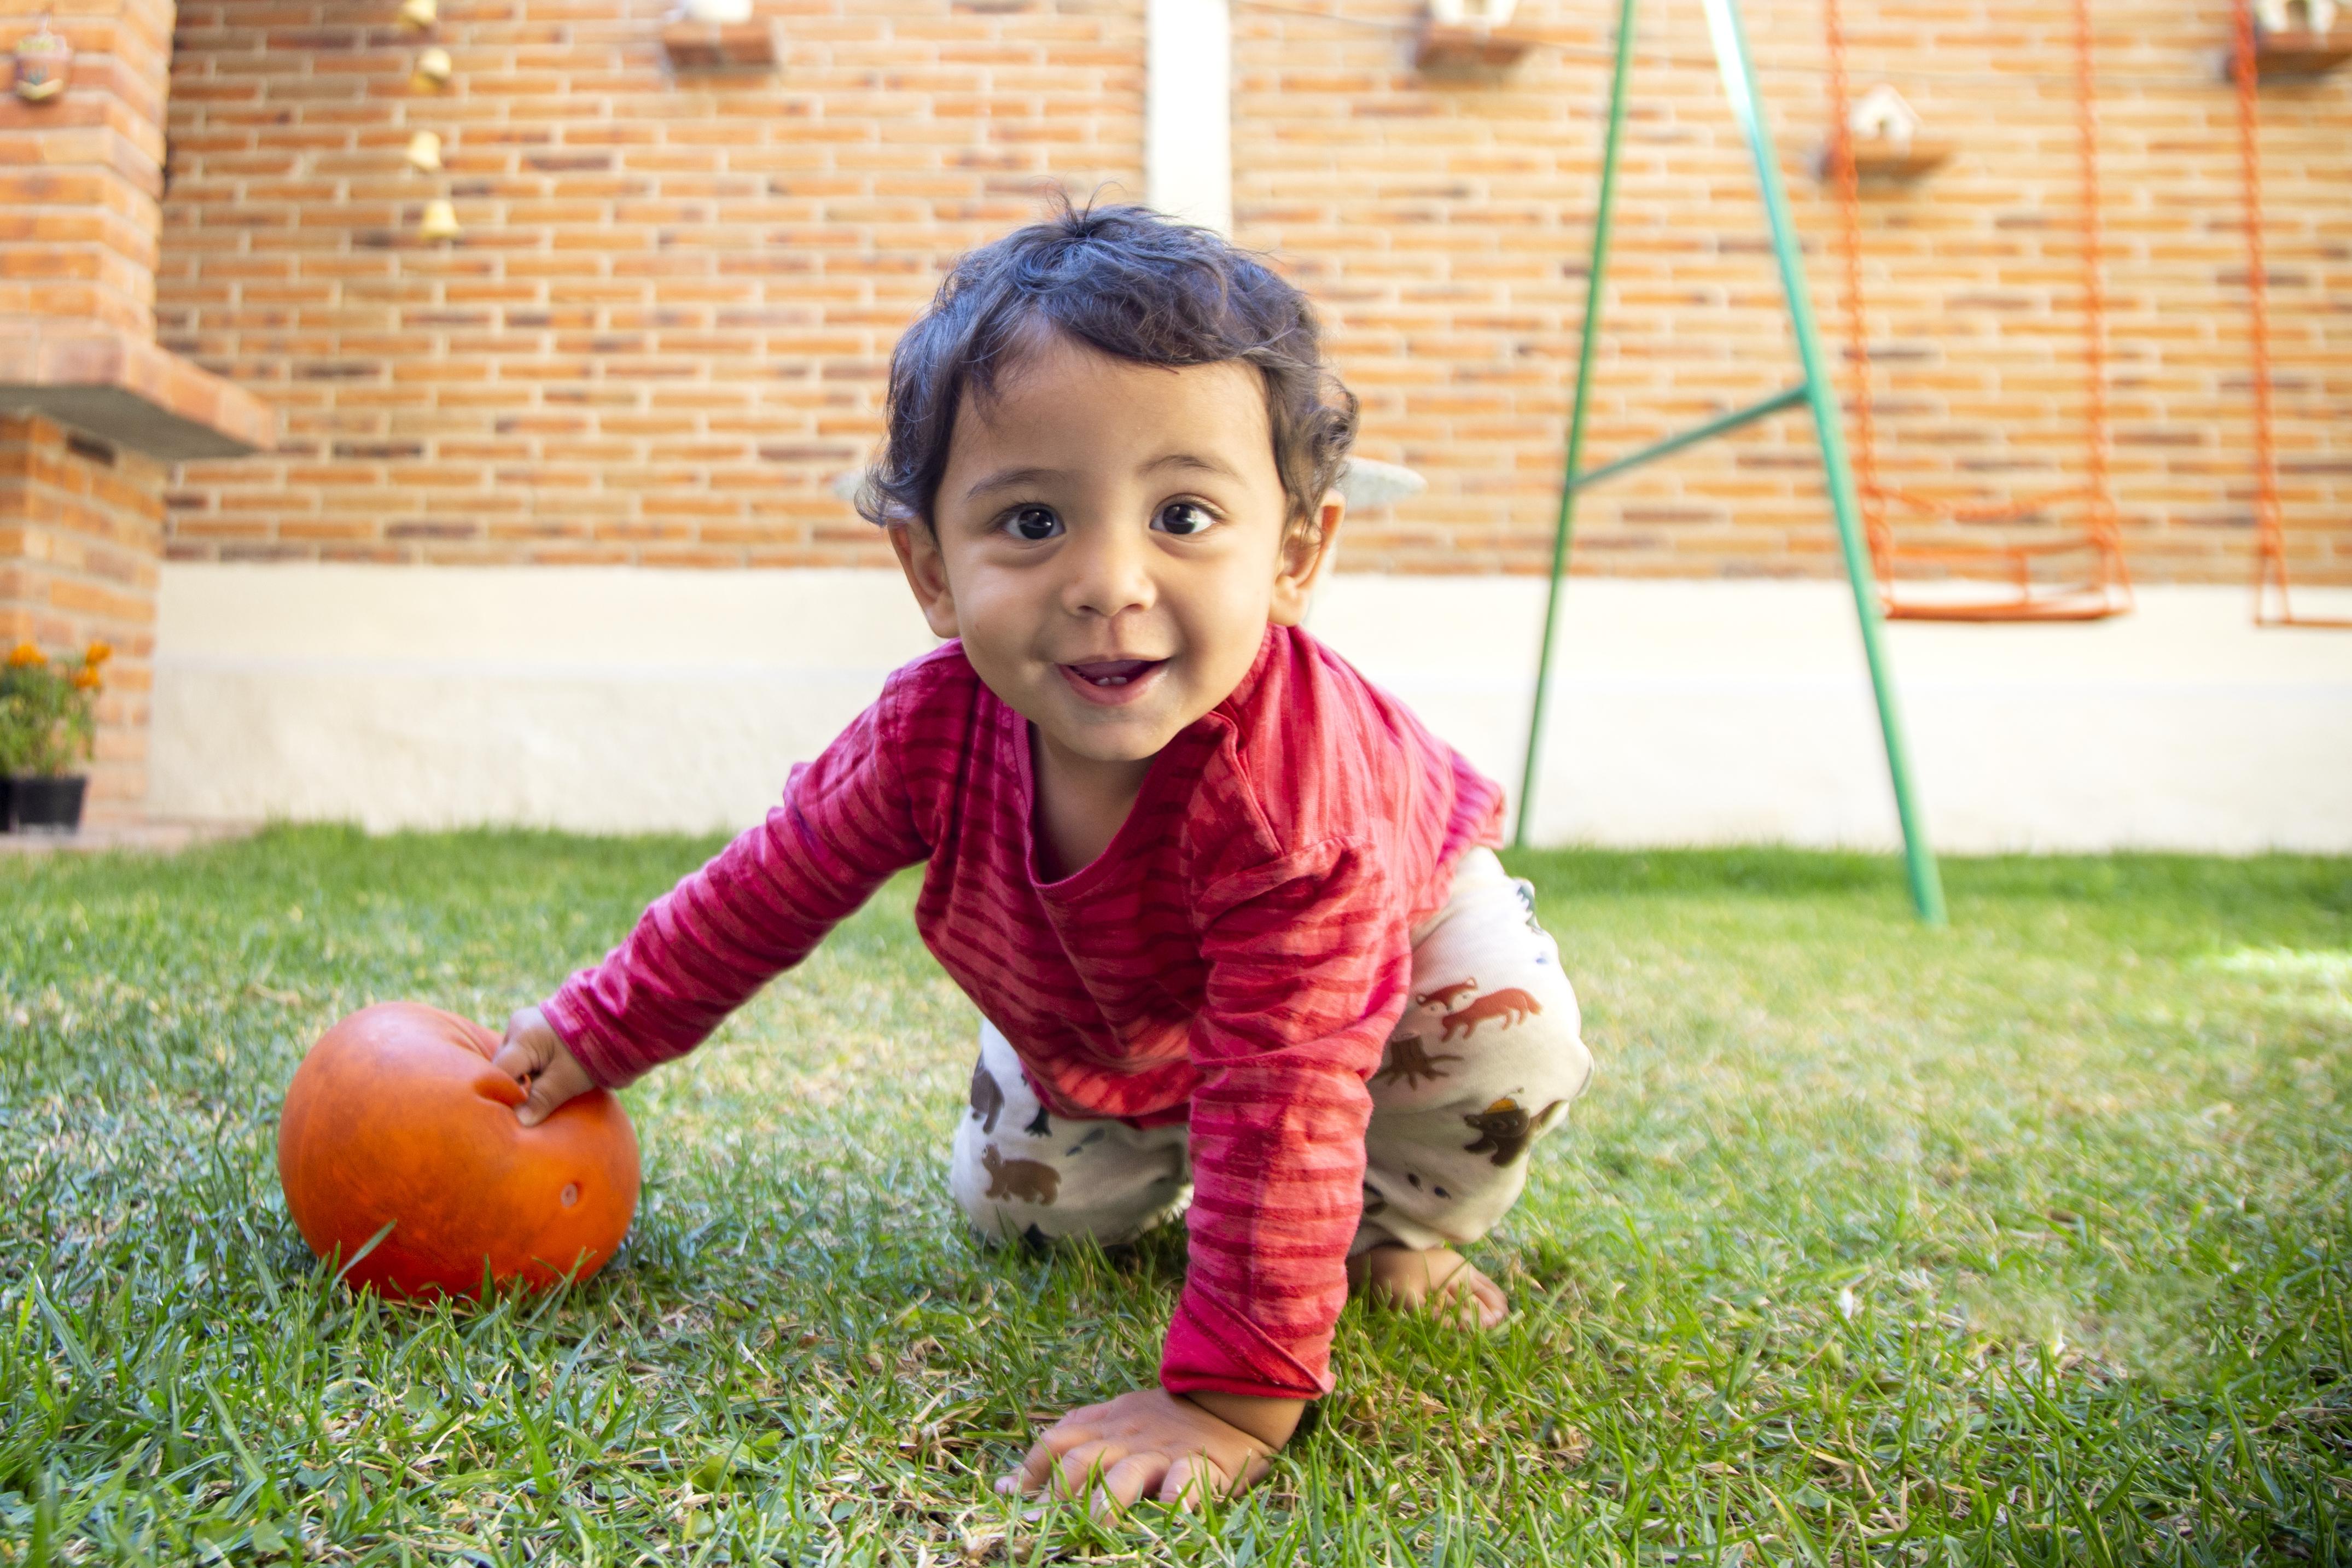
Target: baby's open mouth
x=1109 y=673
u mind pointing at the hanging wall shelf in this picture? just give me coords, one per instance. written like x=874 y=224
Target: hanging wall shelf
x=1887 y=161
x=720 y=45
x=1457 y=49
x=2300 y=52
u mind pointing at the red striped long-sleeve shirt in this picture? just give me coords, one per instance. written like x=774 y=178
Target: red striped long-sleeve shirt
x=1237 y=957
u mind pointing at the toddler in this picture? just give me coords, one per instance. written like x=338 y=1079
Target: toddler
x=1242 y=951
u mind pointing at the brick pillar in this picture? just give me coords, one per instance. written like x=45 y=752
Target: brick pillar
x=81 y=528
x=93 y=412
x=81 y=182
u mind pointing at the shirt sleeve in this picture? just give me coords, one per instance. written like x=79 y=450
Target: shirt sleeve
x=1309 y=961
x=699 y=952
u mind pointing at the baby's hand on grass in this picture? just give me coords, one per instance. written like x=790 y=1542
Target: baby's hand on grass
x=1154 y=1444
x=534 y=1056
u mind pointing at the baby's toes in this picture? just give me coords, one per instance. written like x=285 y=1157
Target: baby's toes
x=1470 y=1300
x=1487 y=1297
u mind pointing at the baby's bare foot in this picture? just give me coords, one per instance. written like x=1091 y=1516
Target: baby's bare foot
x=1439 y=1280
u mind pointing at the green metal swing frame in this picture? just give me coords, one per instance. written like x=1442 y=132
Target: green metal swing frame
x=1815 y=390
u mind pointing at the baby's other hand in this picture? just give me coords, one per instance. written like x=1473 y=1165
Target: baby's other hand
x=1150 y=1442
x=534 y=1056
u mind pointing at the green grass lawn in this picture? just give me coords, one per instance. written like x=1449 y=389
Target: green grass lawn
x=2023 y=1241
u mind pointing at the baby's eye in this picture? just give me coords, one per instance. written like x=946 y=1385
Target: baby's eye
x=1032 y=523
x=1185 y=518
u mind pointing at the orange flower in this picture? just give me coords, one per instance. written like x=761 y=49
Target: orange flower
x=24 y=653
x=86 y=679
x=99 y=653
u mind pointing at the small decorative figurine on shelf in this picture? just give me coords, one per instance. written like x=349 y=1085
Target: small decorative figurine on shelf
x=1883 y=115
x=1487 y=14
x=44 y=64
x=2278 y=16
x=1884 y=129
x=1469 y=36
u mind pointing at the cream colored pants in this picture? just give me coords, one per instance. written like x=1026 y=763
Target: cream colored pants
x=1486 y=1060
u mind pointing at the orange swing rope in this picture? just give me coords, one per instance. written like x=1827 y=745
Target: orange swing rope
x=2270 y=538
x=2105 y=588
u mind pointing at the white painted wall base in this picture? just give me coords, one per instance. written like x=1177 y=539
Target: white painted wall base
x=1707 y=712
x=1716 y=712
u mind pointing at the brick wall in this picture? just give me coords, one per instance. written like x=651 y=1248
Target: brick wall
x=80 y=527
x=1446 y=225
x=80 y=177
x=662 y=334
x=663 y=331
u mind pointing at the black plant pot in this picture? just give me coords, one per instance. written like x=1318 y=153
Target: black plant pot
x=43 y=805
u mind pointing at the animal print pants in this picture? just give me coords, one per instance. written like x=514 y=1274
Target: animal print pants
x=1486 y=1060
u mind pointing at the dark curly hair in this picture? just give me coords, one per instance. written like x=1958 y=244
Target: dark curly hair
x=1133 y=285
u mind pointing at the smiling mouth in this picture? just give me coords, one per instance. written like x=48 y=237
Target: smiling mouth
x=1108 y=675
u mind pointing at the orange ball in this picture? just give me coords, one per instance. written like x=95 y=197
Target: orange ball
x=396 y=1117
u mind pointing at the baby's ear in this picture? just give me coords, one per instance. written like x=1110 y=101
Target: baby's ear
x=918 y=549
x=1306 y=551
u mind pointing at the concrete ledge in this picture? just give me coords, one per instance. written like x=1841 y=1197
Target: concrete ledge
x=618 y=700
x=1716 y=711
x=105 y=381
x=145 y=836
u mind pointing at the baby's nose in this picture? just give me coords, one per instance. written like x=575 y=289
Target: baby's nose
x=1109 y=573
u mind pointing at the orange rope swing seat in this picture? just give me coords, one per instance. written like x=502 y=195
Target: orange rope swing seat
x=2002 y=581
x=2270 y=531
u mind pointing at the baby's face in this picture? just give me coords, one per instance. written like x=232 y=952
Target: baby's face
x=1108 y=543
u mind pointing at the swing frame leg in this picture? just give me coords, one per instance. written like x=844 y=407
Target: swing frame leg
x=1818 y=391
x=1563 y=529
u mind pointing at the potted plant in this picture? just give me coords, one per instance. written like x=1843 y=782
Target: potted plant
x=49 y=718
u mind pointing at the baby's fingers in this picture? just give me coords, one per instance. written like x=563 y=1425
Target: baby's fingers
x=1136 y=1476
x=1193 y=1481
x=1031 y=1472
x=1045 y=1455
x=516 y=1061
x=527 y=1045
x=1077 y=1427
x=560 y=1080
x=1084 y=1467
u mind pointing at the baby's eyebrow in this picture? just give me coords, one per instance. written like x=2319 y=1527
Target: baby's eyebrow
x=1008 y=478
x=1194 y=460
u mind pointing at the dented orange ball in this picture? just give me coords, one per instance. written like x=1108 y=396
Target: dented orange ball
x=395 y=1117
